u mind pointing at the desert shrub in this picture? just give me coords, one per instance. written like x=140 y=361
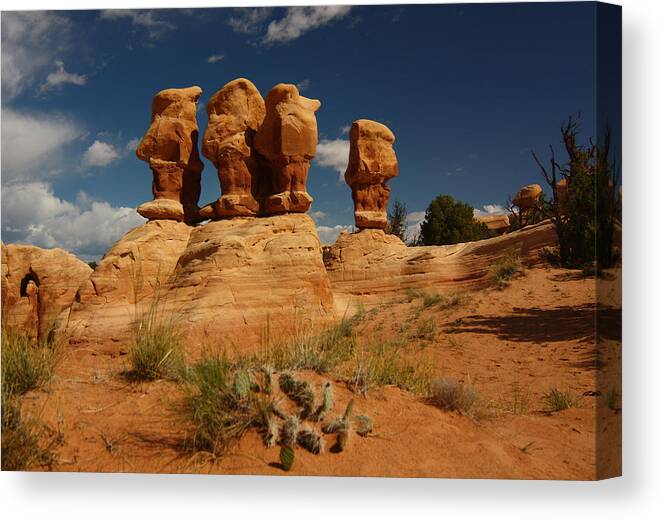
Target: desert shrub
x=26 y=441
x=27 y=364
x=388 y=365
x=435 y=299
x=397 y=220
x=584 y=216
x=519 y=401
x=219 y=406
x=307 y=349
x=505 y=269
x=450 y=221
x=450 y=394
x=426 y=330
x=557 y=400
x=156 y=352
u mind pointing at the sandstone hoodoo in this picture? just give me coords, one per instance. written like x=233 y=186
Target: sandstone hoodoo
x=170 y=148
x=498 y=223
x=372 y=162
x=287 y=139
x=235 y=113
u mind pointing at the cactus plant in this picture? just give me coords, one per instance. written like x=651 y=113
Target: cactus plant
x=298 y=391
x=286 y=457
x=310 y=440
x=343 y=439
x=271 y=432
x=267 y=373
x=241 y=384
x=364 y=425
x=326 y=403
x=289 y=431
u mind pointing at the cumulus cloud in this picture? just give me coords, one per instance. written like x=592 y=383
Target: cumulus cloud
x=328 y=234
x=31 y=143
x=132 y=144
x=215 y=58
x=413 y=222
x=100 y=154
x=249 y=20
x=299 y=20
x=489 y=209
x=56 y=80
x=31 y=42
x=33 y=214
x=345 y=130
x=333 y=153
x=317 y=215
x=143 y=19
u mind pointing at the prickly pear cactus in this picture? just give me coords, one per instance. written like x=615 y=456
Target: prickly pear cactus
x=310 y=440
x=364 y=425
x=286 y=457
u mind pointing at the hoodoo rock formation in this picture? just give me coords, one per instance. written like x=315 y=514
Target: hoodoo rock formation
x=528 y=197
x=38 y=287
x=235 y=113
x=372 y=162
x=498 y=223
x=170 y=148
x=287 y=139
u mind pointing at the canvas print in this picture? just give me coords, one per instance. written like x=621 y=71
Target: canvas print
x=375 y=241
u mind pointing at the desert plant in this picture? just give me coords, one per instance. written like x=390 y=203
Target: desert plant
x=505 y=269
x=397 y=220
x=157 y=352
x=326 y=404
x=558 y=400
x=26 y=440
x=450 y=394
x=310 y=440
x=426 y=330
x=364 y=425
x=27 y=364
x=299 y=391
x=449 y=221
x=519 y=402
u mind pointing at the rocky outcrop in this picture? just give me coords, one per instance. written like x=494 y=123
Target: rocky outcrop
x=496 y=223
x=287 y=139
x=371 y=267
x=128 y=280
x=38 y=287
x=372 y=162
x=170 y=148
x=235 y=113
x=528 y=197
x=229 y=277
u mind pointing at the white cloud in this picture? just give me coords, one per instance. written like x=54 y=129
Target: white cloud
x=145 y=19
x=55 y=80
x=32 y=214
x=317 y=215
x=31 y=42
x=303 y=85
x=345 y=130
x=299 y=20
x=100 y=154
x=249 y=20
x=215 y=58
x=333 y=153
x=489 y=209
x=328 y=234
x=132 y=144
x=31 y=143
x=413 y=222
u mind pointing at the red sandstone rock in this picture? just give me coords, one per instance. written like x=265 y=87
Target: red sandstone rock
x=170 y=148
x=372 y=162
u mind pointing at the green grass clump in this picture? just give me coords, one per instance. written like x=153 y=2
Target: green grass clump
x=26 y=363
x=505 y=269
x=557 y=400
x=387 y=365
x=218 y=410
x=157 y=352
x=450 y=394
x=309 y=350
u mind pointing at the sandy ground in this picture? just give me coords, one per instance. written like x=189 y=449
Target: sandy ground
x=512 y=344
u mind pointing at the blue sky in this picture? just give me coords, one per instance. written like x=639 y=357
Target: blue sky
x=468 y=91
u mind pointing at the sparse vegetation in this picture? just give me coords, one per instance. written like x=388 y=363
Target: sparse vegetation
x=449 y=394
x=505 y=269
x=397 y=220
x=557 y=400
x=434 y=299
x=157 y=352
x=450 y=221
x=519 y=402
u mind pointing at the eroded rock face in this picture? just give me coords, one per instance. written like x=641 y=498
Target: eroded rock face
x=287 y=139
x=235 y=113
x=372 y=162
x=38 y=287
x=528 y=197
x=371 y=267
x=497 y=223
x=170 y=148
x=125 y=281
x=227 y=277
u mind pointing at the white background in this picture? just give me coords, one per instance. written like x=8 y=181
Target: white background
x=636 y=495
